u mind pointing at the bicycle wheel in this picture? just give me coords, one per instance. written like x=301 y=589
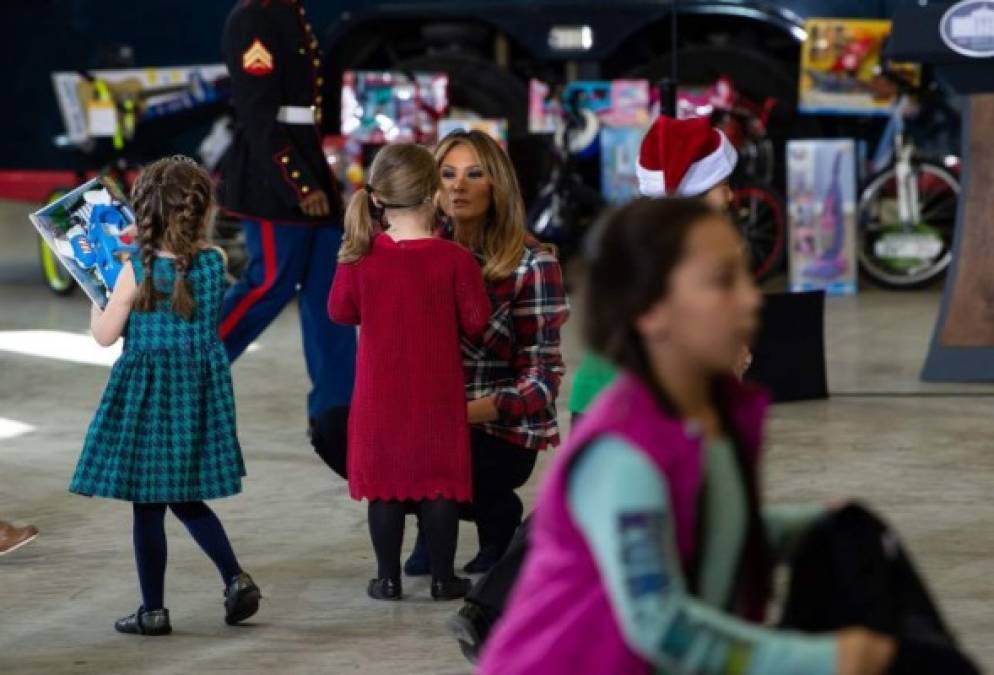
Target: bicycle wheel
x=900 y=255
x=759 y=212
x=56 y=277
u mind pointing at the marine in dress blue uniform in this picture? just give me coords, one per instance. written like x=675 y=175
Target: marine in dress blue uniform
x=276 y=179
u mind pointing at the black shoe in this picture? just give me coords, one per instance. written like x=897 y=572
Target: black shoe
x=418 y=565
x=450 y=589
x=481 y=564
x=241 y=599
x=469 y=626
x=141 y=622
x=385 y=589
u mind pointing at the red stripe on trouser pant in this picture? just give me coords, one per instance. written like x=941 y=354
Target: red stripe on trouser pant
x=269 y=278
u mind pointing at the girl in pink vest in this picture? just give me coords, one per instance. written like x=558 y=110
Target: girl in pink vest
x=650 y=551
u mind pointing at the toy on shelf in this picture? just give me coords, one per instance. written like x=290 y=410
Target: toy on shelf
x=86 y=229
x=822 y=203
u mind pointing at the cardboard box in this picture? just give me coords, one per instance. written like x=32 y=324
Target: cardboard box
x=84 y=232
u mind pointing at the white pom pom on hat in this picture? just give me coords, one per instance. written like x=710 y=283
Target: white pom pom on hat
x=683 y=157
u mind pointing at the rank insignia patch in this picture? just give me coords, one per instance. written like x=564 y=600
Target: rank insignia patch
x=257 y=60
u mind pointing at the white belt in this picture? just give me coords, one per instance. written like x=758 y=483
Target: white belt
x=295 y=114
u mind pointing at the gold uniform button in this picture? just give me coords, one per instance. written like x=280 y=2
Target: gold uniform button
x=285 y=160
x=295 y=174
x=305 y=189
x=314 y=44
x=302 y=51
x=320 y=81
x=301 y=11
x=317 y=62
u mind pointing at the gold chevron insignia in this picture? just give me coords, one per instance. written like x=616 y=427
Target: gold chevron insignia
x=257 y=60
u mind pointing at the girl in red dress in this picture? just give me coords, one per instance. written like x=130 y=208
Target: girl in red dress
x=414 y=296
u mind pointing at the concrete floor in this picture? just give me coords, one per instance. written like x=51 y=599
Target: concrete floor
x=918 y=453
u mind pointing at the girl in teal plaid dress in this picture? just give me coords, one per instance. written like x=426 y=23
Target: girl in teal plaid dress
x=164 y=433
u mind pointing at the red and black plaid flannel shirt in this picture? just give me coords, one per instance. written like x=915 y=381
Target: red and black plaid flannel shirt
x=518 y=359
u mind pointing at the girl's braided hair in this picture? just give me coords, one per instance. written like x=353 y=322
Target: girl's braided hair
x=173 y=199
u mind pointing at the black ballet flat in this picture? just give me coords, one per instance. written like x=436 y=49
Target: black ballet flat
x=450 y=589
x=241 y=599
x=384 y=589
x=143 y=622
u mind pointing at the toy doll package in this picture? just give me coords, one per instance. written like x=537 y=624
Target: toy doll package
x=821 y=197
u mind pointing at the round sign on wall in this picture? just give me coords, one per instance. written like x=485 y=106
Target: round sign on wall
x=967 y=28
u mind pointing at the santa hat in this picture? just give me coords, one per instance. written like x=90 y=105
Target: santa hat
x=683 y=158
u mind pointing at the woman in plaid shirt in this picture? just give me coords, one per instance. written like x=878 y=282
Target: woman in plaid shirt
x=513 y=372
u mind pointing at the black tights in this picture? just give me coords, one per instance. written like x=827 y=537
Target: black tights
x=150 y=545
x=439 y=523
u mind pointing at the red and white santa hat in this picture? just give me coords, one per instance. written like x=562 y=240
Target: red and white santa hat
x=683 y=157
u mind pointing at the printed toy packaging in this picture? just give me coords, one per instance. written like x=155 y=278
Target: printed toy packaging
x=839 y=68
x=821 y=198
x=388 y=107
x=85 y=230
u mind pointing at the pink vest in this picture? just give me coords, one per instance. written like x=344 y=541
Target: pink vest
x=559 y=619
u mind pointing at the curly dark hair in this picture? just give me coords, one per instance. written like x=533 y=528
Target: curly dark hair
x=173 y=199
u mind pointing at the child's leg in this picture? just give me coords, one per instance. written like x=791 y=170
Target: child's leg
x=209 y=534
x=440 y=524
x=150 y=552
x=386 y=529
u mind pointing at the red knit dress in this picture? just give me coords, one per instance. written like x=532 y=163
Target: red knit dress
x=408 y=432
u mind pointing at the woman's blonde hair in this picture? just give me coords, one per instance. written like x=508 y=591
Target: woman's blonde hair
x=173 y=201
x=502 y=240
x=402 y=176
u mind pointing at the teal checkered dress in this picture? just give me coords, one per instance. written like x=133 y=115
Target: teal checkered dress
x=165 y=428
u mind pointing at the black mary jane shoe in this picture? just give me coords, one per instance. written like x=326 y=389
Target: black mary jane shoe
x=450 y=589
x=241 y=599
x=385 y=589
x=142 y=622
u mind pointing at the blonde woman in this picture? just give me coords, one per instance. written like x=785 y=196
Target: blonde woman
x=513 y=373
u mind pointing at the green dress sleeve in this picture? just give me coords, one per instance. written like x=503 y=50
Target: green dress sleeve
x=621 y=505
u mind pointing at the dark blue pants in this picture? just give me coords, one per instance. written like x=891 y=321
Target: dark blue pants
x=293 y=261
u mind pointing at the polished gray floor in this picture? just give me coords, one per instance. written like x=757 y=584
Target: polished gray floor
x=919 y=453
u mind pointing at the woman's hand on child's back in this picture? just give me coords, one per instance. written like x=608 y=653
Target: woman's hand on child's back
x=864 y=652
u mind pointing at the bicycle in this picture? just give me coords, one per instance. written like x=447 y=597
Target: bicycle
x=906 y=215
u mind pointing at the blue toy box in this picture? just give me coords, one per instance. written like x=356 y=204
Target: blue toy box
x=85 y=230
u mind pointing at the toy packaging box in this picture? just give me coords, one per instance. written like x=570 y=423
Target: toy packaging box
x=389 y=107
x=821 y=206
x=619 y=157
x=839 y=62
x=85 y=230
x=616 y=103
